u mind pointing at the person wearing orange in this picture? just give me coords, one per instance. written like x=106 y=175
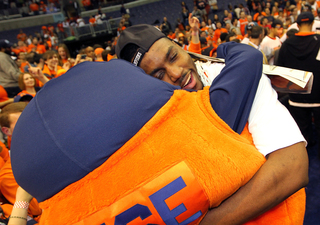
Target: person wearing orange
x=210 y=38
x=8 y=185
x=259 y=13
x=36 y=46
x=92 y=20
x=22 y=36
x=64 y=55
x=43 y=7
x=4 y=100
x=4 y=154
x=243 y=23
x=27 y=84
x=22 y=46
x=23 y=61
x=218 y=31
x=98 y=54
x=51 y=67
x=86 y=4
x=34 y=7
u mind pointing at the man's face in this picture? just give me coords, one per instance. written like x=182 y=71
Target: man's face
x=277 y=31
x=13 y=118
x=170 y=63
x=89 y=52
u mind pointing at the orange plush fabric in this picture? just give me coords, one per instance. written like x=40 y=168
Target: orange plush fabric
x=186 y=141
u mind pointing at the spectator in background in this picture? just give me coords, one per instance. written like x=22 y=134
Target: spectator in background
x=165 y=26
x=243 y=23
x=80 y=22
x=89 y=51
x=201 y=4
x=234 y=26
x=123 y=10
x=211 y=25
x=183 y=4
x=216 y=19
x=197 y=13
x=256 y=37
x=87 y=4
x=4 y=100
x=34 y=8
x=8 y=118
x=185 y=15
x=92 y=20
x=105 y=56
x=301 y=51
x=43 y=7
x=218 y=31
x=98 y=54
x=250 y=22
x=64 y=55
x=36 y=46
x=213 y=5
x=9 y=70
x=271 y=42
x=22 y=36
x=51 y=69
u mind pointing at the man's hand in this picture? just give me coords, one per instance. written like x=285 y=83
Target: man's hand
x=284 y=173
x=194 y=24
x=36 y=73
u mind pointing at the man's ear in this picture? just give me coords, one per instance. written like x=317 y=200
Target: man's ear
x=6 y=131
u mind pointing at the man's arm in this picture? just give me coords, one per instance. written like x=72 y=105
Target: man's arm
x=232 y=92
x=285 y=172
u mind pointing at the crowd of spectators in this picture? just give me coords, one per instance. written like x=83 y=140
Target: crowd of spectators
x=29 y=8
x=262 y=24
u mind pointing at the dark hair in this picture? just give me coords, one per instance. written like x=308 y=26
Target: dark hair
x=291 y=32
x=256 y=31
x=231 y=34
x=233 y=19
x=104 y=55
x=223 y=36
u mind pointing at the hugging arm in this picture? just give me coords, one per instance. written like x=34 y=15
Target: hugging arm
x=285 y=171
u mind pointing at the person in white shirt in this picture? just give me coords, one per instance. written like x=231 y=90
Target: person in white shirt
x=271 y=42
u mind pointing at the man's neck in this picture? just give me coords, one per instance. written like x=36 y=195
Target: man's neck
x=254 y=41
x=305 y=28
x=271 y=35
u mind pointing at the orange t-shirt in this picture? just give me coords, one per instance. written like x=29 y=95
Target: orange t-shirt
x=255 y=17
x=22 y=37
x=23 y=49
x=23 y=64
x=24 y=92
x=243 y=23
x=92 y=20
x=34 y=7
x=3 y=94
x=218 y=32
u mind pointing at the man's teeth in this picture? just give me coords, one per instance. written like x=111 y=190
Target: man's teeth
x=187 y=80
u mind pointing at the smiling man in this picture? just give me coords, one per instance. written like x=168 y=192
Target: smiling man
x=274 y=132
